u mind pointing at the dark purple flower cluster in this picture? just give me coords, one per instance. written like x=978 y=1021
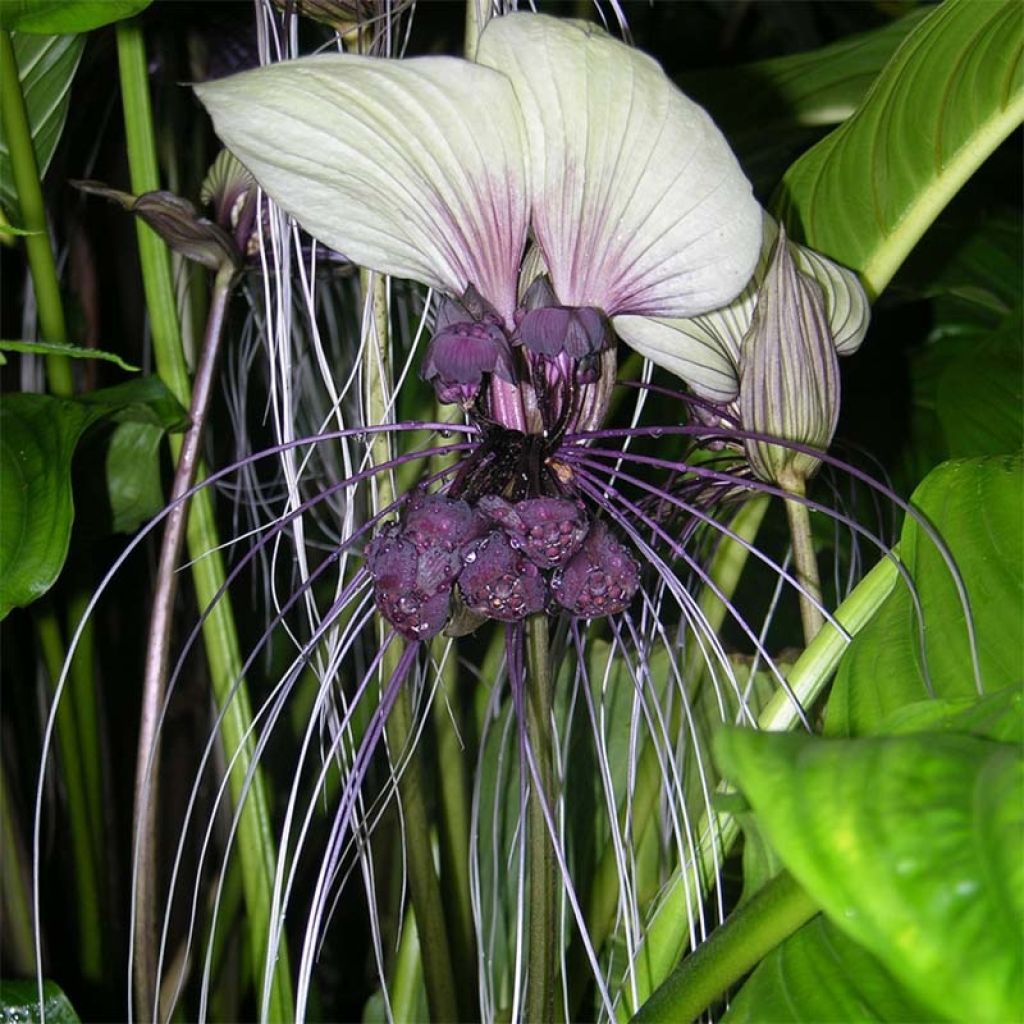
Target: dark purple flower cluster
x=507 y=560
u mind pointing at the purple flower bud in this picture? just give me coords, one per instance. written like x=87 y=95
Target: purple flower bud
x=600 y=579
x=468 y=342
x=548 y=329
x=394 y=563
x=549 y=531
x=499 y=582
x=440 y=529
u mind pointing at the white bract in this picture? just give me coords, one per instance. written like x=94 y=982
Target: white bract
x=439 y=170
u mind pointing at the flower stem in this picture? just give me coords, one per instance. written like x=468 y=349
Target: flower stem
x=25 y=173
x=753 y=931
x=257 y=849
x=158 y=649
x=424 y=888
x=19 y=950
x=804 y=558
x=543 y=892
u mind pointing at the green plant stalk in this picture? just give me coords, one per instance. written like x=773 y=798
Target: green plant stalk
x=407 y=983
x=15 y=886
x=805 y=561
x=158 y=651
x=25 y=172
x=256 y=845
x=543 y=880
x=453 y=833
x=667 y=932
x=725 y=570
x=753 y=931
x=90 y=925
x=81 y=692
x=424 y=888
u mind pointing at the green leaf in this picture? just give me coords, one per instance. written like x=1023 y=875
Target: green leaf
x=975 y=505
x=911 y=845
x=819 y=974
x=19 y=1004
x=952 y=92
x=998 y=716
x=48 y=348
x=46 y=66
x=133 y=475
x=52 y=16
x=38 y=437
x=824 y=86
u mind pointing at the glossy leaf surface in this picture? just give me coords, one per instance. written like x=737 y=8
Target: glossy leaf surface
x=19 y=1004
x=975 y=505
x=46 y=66
x=863 y=195
x=911 y=845
x=820 y=974
x=66 y=15
x=38 y=437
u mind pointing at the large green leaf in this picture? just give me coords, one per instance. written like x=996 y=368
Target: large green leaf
x=976 y=506
x=46 y=66
x=911 y=845
x=996 y=716
x=51 y=16
x=952 y=92
x=814 y=88
x=19 y=1004
x=820 y=974
x=38 y=437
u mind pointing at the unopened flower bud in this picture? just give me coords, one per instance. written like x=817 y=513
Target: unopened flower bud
x=468 y=342
x=500 y=583
x=549 y=329
x=549 y=531
x=177 y=222
x=789 y=373
x=231 y=192
x=600 y=579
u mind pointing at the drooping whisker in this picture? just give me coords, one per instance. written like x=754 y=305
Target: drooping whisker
x=371 y=738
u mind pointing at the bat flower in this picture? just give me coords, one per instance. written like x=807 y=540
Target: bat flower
x=438 y=170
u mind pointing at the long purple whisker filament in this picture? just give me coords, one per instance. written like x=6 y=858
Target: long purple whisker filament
x=271 y=708
x=275 y=529
x=596 y=490
x=852 y=524
x=695 y=512
x=728 y=434
x=371 y=738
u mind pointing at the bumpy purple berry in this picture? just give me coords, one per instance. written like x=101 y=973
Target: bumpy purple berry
x=600 y=579
x=549 y=531
x=499 y=583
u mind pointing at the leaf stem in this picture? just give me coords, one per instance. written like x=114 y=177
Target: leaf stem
x=19 y=950
x=257 y=849
x=804 y=559
x=25 y=172
x=543 y=892
x=753 y=931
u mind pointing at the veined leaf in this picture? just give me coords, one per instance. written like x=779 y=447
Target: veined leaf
x=66 y=15
x=952 y=92
x=38 y=437
x=819 y=974
x=910 y=845
x=975 y=505
x=46 y=66
x=817 y=87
